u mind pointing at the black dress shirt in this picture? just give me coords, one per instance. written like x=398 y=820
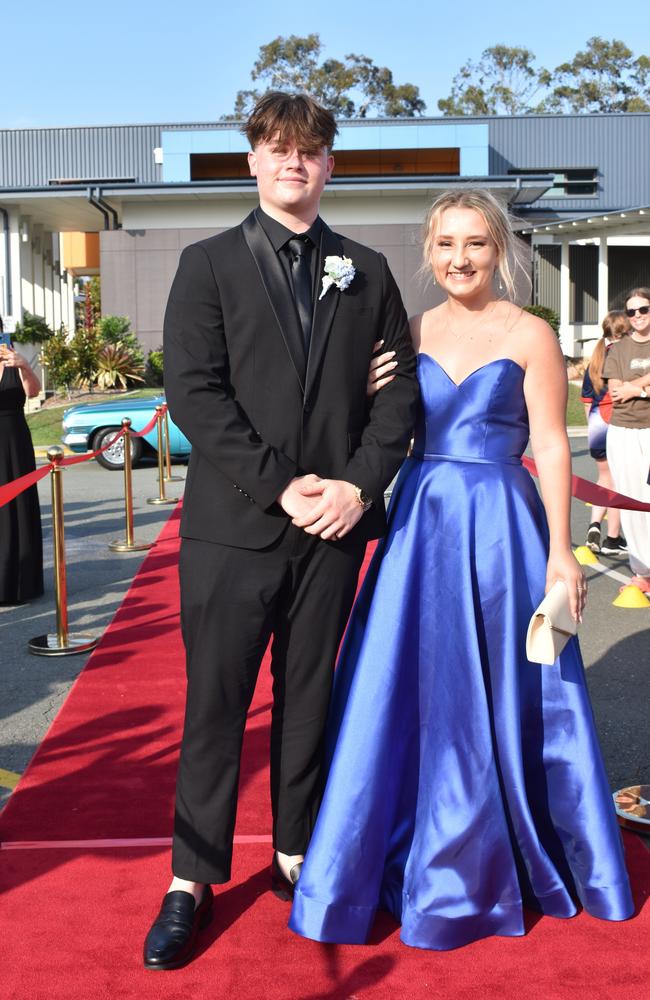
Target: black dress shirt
x=279 y=236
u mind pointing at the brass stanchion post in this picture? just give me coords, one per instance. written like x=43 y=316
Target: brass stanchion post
x=168 y=458
x=130 y=545
x=161 y=498
x=64 y=643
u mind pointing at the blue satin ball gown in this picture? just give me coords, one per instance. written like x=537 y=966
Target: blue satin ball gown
x=464 y=781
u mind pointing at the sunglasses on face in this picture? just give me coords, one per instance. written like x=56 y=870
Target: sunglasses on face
x=642 y=311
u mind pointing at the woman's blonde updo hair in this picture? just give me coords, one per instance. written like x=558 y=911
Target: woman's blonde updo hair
x=511 y=251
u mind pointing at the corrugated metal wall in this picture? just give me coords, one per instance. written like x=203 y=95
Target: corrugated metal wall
x=34 y=157
x=616 y=144
x=629 y=267
x=546 y=276
x=583 y=266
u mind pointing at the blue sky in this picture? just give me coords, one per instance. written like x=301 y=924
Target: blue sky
x=143 y=61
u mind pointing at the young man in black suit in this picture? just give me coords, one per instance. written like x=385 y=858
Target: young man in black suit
x=269 y=332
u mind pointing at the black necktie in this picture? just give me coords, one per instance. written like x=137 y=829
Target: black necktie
x=301 y=281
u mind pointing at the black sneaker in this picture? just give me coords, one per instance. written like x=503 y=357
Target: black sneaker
x=614 y=546
x=593 y=537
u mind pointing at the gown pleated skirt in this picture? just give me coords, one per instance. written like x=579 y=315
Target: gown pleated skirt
x=464 y=782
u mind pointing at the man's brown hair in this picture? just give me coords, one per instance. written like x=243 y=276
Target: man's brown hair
x=292 y=119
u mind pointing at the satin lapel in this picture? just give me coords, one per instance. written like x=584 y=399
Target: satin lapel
x=275 y=285
x=324 y=309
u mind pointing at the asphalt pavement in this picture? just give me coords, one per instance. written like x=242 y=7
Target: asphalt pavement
x=615 y=641
x=34 y=687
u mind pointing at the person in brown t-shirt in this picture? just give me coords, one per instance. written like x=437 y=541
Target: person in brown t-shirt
x=627 y=368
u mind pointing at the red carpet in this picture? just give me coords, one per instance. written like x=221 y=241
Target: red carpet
x=73 y=918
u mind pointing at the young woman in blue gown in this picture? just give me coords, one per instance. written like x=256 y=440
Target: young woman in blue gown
x=465 y=782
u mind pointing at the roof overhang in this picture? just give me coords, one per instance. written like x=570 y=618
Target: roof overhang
x=64 y=210
x=70 y=208
x=631 y=222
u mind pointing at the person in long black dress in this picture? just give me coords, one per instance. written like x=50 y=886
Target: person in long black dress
x=21 y=545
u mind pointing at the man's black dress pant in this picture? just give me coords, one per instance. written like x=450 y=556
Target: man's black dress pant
x=300 y=590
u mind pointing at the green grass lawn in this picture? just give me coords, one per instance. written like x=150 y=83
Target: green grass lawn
x=45 y=424
x=575 y=411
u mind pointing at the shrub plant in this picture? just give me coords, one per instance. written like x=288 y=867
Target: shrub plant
x=58 y=357
x=547 y=314
x=32 y=330
x=154 y=369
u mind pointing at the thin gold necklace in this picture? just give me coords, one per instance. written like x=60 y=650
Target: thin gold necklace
x=467 y=334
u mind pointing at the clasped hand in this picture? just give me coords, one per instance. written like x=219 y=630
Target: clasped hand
x=624 y=392
x=325 y=507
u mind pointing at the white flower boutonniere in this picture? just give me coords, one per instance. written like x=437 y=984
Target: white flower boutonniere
x=339 y=271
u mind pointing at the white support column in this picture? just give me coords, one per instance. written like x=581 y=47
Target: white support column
x=56 y=281
x=16 y=267
x=48 y=280
x=38 y=270
x=26 y=269
x=56 y=300
x=5 y=277
x=566 y=330
x=67 y=303
x=603 y=278
x=63 y=321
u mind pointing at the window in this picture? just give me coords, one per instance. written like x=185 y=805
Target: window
x=63 y=181
x=349 y=163
x=572 y=182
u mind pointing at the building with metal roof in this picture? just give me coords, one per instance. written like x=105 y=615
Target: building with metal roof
x=140 y=193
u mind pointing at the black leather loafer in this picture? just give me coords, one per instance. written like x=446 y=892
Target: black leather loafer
x=171 y=942
x=281 y=886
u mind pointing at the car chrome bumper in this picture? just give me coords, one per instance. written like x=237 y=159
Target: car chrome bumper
x=78 y=442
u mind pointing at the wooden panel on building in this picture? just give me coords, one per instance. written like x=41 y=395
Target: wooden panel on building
x=81 y=253
x=349 y=163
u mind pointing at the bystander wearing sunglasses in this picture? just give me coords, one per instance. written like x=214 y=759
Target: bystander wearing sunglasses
x=627 y=369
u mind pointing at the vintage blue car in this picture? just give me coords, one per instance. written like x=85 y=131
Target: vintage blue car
x=87 y=427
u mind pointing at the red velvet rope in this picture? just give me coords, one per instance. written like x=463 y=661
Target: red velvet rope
x=150 y=426
x=581 y=489
x=11 y=490
x=75 y=459
x=598 y=496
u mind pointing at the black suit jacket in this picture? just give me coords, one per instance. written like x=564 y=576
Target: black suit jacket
x=255 y=413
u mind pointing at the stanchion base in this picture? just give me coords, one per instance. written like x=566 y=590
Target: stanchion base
x=129 y=547
x=632 y=806
x=76 y=642
x=157 y=500
x=173 y=479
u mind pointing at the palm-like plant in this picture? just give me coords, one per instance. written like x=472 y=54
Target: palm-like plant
x=117 y=366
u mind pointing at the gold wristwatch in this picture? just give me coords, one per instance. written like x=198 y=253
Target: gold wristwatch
x=362 y=498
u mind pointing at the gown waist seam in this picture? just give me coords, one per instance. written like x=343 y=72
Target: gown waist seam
x=430 y=456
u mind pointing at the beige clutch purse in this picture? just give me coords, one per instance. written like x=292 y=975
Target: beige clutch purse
x=551 y=626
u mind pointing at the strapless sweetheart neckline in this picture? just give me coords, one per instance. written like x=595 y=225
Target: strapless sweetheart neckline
x=494 y=361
